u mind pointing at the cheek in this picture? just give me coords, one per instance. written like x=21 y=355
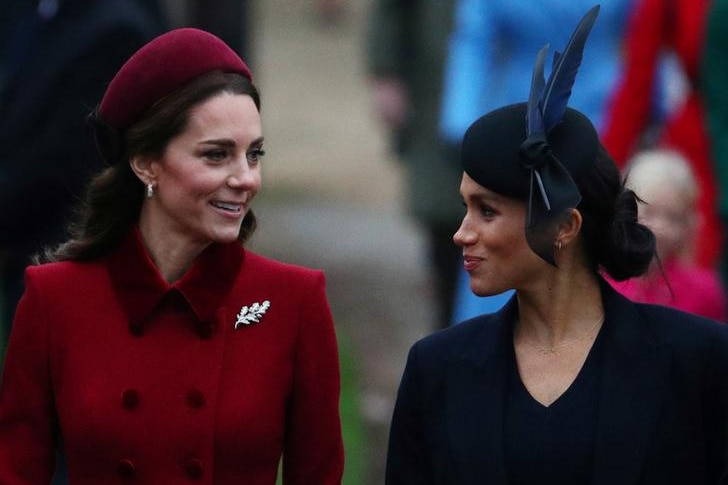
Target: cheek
x=257 y=180
x=506 y=241
x=200 y=183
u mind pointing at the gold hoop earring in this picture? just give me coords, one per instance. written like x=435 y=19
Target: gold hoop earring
x=559 y=245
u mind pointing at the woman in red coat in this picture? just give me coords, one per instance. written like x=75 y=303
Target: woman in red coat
x=152 y=346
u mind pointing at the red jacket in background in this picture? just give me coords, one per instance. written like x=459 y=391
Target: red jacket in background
x=677 y=25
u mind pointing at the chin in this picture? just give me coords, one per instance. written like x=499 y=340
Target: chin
x=225 y=236
x=228 y=238
x=484 y=289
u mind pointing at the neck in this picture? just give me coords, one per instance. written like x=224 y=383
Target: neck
x=171 y=254
x=560 y=309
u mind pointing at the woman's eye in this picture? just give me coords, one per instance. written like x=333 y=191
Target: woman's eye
x=255 y=155
x=216 y=155
x=487 y=211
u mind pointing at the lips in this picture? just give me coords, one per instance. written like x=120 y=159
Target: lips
x=471 y=262
x=231 y=207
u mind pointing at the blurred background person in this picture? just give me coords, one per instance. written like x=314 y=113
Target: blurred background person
x=713 y=81
x=56 y=57
x=330 y=12
x=667 y=36
x=490 y=58
x=231 y=20
x=664 y=182
x=406 y=49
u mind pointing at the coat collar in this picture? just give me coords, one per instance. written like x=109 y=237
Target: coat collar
x=634 y=378
x=140 y=287
x=476 y=396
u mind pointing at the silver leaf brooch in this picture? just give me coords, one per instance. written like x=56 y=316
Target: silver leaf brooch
x=251 y=314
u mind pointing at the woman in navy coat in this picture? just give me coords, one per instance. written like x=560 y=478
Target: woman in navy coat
x=570 y=383
x=153 y=346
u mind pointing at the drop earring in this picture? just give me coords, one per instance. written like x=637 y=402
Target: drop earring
x=150 y=191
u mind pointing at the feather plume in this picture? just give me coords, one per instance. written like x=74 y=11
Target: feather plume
x=534 y=119
x=558 y=87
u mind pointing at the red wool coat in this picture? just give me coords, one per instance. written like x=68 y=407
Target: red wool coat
x=151 y=382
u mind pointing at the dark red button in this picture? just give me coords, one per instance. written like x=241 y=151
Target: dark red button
x=194 y=469
x=130 y=398
x=125 y=469
x=195 y=399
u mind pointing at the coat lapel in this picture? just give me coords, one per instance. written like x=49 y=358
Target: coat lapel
x=634 y=378
x=475 y=398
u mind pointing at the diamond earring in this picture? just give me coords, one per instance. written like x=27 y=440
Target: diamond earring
x=150 y=191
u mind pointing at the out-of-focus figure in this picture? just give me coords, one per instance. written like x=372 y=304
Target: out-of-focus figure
x=56 y=57
x=713 y=82
x=406 y=51
x=665 y=183
x=330 y=11
x=676 y=27
x=229 y=19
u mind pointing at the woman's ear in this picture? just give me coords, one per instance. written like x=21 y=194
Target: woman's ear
x=145 y=169
x=569 y=228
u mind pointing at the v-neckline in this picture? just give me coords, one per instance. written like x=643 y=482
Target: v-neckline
x=586 y=371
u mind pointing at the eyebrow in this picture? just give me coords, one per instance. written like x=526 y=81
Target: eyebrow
x=228 y=143
x=481 y=197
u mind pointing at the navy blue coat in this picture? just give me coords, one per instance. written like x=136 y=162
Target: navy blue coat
x=663 y=401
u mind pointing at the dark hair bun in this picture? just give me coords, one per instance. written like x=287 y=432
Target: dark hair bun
x=629 y=247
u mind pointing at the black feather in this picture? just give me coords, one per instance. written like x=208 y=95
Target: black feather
x=534 y=120
x=558 y=87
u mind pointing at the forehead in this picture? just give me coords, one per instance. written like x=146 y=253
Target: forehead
x=470 y=189
x=225 y=112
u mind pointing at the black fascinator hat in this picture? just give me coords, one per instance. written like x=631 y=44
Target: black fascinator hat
x=534 y=151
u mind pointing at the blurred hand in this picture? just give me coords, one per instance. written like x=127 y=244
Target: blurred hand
x=390 y=101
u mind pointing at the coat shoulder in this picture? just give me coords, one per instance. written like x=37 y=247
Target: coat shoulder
x=259 y=262
x=59 y=274
x=274 y=271
x=455 y=342
x=681 y=329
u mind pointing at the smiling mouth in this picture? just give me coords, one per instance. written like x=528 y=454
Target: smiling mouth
x=470 y=262
x=228 y=207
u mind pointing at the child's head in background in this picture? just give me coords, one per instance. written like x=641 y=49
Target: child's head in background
x=664 y=180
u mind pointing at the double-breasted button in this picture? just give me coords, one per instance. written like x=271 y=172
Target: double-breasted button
x=194 y=469
x=195 y=399
x=126 y=469
x=130 y=398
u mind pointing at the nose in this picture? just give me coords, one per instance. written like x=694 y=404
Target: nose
x=242 y=175
x=464 y=236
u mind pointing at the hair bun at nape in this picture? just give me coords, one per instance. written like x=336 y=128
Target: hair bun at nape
x=629 y=247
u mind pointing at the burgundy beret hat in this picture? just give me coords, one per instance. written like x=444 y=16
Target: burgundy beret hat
x=164 y=64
